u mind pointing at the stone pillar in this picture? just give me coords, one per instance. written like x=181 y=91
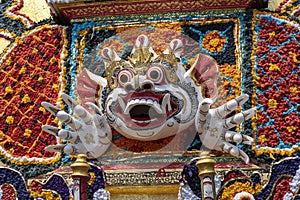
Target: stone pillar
x=206 y=169
x=80 y=175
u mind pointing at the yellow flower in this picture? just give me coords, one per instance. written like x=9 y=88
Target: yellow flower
x=40 y=79
x=1 y=135
x=27 y=132
x=262 y=139
x=294 y=56
x=42 y=109
x=294 y=90
x=52 y=60
x=274 y=67
x=55 y=86
x=9 y=120
x=272 y=34
x=8 y=61
x=55 y=120
x=35 y=51
x=272 y=103
x=26 y=99
x=22 y=70
x=8 y=90
x=49 y=33
x=290 y=128
x=92 y=178
x=214 y=42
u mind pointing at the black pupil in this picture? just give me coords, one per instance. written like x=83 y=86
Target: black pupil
x=154 y=74
x=123 y=78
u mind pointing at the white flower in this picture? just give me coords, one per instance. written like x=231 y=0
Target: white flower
x=243 y=195
x=288 y=196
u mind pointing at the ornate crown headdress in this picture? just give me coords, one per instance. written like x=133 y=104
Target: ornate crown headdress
x=141 y=58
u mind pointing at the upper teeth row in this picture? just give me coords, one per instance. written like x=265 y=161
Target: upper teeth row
x=161 y=109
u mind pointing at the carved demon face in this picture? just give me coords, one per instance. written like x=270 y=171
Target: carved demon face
x=152 y=96
x=149 y=98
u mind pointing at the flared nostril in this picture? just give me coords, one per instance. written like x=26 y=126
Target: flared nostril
x=147 y=86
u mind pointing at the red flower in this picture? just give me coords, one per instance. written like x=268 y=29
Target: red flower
x=282 y=188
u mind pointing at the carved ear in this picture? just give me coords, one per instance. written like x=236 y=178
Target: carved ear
x=89 y=87
x=142 y=41
x=176 y=47
x=205 y=73
x=108 y=55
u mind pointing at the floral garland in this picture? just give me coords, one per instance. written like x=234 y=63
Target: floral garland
x=276 y=95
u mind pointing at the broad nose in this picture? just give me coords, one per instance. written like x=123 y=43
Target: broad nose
x=138 y=83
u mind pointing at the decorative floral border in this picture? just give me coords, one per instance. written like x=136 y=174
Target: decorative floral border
x=266 y=76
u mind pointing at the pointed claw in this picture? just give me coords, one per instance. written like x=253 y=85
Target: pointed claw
x=52 y=109
x=51 y=129
x=55 y=148
x=242 y=99
x=69 y=101
x=247 y=140
x=244 y=156
x=249 y=113
x=69 y=120
x=94 y=107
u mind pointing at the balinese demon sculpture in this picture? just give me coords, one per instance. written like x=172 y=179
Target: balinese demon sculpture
x=148 y=97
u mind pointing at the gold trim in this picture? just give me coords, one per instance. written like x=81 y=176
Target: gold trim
x=160 y=189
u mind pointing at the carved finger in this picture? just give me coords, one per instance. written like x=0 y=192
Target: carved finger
x=203 y=109
x=83 y=114
x=232 y=150
x=239 y=118
x=231 y=136
x=232 y=105
x=51 y=129
x=74 y=149
x=103 y=129
x=69 y=120
x=69 y=101
x=94 y=107
x=51 y=108
x=68 y=135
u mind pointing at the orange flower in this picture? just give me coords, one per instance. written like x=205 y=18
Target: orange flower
x=213 y=42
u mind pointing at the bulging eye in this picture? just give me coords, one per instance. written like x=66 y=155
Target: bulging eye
x=124 y=77
x=155 y=74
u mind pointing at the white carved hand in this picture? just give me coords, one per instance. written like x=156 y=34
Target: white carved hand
x=213 y=126
x=90 y=135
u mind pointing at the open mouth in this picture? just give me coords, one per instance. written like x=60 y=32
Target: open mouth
x=145 y=109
